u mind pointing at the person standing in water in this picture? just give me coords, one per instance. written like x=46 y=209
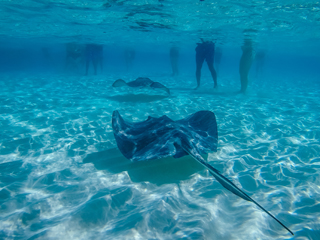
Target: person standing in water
x=94 y=53
x=245 y=64
x=74 y=56
x=174 y=59
x=205 y=51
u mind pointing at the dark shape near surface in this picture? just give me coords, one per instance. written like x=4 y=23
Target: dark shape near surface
x=140 y=82
x=162 y=137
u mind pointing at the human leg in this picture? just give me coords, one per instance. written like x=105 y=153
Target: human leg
x=199 y=62
x=174 y=63
x=243 y=81
x=213 y=73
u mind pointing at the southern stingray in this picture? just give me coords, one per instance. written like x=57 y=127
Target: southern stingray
x=140 y=83
x=161 y=137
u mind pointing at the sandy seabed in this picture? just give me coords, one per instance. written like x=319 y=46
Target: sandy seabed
x=62 y=176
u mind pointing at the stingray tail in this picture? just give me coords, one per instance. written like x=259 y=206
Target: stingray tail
x=226 y=183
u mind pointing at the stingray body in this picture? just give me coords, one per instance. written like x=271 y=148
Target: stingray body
x=140 y=82
x=161 y=137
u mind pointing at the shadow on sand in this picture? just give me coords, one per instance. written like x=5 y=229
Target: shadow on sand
x=161 y=171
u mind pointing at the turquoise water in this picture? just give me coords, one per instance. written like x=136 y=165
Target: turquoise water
x=61 y=174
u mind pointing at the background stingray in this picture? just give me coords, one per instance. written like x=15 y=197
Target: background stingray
x=141 y=83
x=162 y=137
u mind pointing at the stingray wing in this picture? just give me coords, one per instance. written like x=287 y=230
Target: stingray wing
x=161 y=86
x=119 y=83
x=150 y=139
x=202 y=131
x=157 y=137
x=140 y=82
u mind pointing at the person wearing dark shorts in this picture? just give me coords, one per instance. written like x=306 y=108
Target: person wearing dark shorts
x=205 y=51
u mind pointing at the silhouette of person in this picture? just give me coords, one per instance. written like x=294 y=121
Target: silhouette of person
x=205 y=51
x=245 y=64
x=94 y=54
x=74 y=56
x=129 y=55
x=174 y=59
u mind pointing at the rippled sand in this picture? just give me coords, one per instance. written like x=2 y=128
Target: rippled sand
x=62 y=176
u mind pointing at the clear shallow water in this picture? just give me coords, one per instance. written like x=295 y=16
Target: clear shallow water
x=164 y=21
x=62 y=177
